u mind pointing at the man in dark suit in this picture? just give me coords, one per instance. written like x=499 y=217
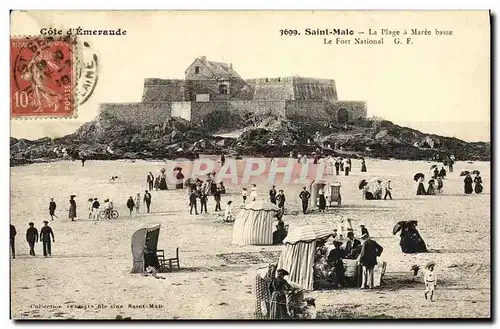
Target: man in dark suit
x=351 y=244
x=368 y=259
x=13 y=233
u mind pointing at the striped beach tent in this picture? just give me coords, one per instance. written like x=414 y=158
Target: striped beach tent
x=297 y=256
x=254 y=224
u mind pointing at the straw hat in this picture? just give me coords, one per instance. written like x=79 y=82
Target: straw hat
x=429 y=264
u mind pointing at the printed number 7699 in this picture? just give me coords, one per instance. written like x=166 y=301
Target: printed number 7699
x=289 y=32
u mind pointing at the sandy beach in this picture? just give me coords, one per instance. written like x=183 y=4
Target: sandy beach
x=88 y=275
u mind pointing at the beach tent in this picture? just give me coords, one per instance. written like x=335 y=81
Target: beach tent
x=144 y=241
x=314 y=189
x=254 y=224
x=297 y=256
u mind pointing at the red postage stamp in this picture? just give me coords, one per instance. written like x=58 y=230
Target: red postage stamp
x=42 y=77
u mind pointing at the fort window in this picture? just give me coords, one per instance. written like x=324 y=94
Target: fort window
x=196 y=69
x=223 y=89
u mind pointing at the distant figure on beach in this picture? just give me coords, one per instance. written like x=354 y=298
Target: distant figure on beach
x=150 y=180
x=430 y=189
x=228 y=214
x=280 y=234
x=83 y=162
x=52 y=209
x=451 y=161
x=272 y=194
x=130 y=205
x=222 y=188
x=363 y=165
x=370 y=250
x=305 y=196
x=72 y=207
x=440 y=185
x=388 y=189
x=321 y=201
x=95 y=209
x=217 y=198
x=244 y=195
x=436 y=173
x=147 y=200
x=442 y=172
x=253 y=193
x=163 y=182
x=478 y=184
x=13 y=234
x=45 y=234
x=32 y=237
x=337 y=166
x=222 y=160
x=468 y=184
x=90 y=202
x=157 y=183
x=192 y=202
x=430 y=280
x=421 y=187
x=113 y=178
x=378 y=191
x=347 y=166
x=410 y=240
x=341 y=163
x=280 y=199
x=202 y=195
x=137 y=203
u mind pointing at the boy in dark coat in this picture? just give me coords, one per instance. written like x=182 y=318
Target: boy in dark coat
x=32 y=237
x=45 y=234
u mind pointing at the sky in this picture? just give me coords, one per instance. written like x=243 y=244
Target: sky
x=438 y=84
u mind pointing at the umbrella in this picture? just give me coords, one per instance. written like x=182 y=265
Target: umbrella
x=72 y=196
x=398 y=227
x=308 y=232
x=362 y=184
x=476 y=172
x=418 y=176
x=433 y=166
x=464 y=173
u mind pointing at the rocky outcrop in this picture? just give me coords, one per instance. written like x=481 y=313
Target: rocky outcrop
x=109 y=138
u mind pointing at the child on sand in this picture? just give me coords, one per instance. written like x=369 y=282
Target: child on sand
x=430 y=279
x=244 y=194
x=228 y=216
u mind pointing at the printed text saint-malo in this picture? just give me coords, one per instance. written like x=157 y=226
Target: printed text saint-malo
x=329 y=32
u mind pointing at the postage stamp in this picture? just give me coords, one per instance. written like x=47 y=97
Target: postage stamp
x=42 y=77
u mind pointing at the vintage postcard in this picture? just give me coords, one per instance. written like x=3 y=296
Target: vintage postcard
x=250 y=165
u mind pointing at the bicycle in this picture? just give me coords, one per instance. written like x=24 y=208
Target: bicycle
x=109 y=214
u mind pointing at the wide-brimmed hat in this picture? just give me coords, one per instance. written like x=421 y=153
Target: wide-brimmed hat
x=45 y=222
x=282 y=271
x=31 y=223
x=429 y=264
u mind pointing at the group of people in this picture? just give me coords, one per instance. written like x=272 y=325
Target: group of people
x=201 y=190
x=379 y=191
x=478 y=184
x=46 y=236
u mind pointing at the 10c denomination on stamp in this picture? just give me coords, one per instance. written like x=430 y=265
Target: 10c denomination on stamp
x=42 y=77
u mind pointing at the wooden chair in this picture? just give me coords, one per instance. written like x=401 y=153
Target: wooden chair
x=168 y=264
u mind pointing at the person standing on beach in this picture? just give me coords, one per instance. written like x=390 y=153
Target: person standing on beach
x=147 y=200
x=388 y=189
x=45 y=234
x=52 y=209
x=253 y=193
x=280 y=198
x=368 y=259
x=192 y=202
x=130 y=205
x=203 y=200
x=337 y=167
x=95 y=209
x=72 y=207
x=13 y=233
x=217 y=197
x=430 y=279
x=150 y=180
x=305 y=196
x=222 y=160
x=272 y=195
x=137 y=203
x=32 y=237
x=244 y=194
x=363 y=165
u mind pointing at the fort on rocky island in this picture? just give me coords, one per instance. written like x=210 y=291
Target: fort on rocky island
x=211 y=87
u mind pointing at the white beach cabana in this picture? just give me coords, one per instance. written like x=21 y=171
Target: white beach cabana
x=254 y=224
x=297 y=256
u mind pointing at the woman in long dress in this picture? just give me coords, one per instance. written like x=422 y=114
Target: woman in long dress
x=72 y=208
x=363 y=165
x=421 y=188
x=430 y=189
x=279 y=287
x=262 y=295
x=478 y=184
x=322 y=201
x=468 y=184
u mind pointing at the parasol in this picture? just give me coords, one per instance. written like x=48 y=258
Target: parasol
x=398 y=227
x=433 y=166
x=418 y=176
x=72 y=196
x=362 y=184
x=464 y=173
x=476 y=172
x=162 y=170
